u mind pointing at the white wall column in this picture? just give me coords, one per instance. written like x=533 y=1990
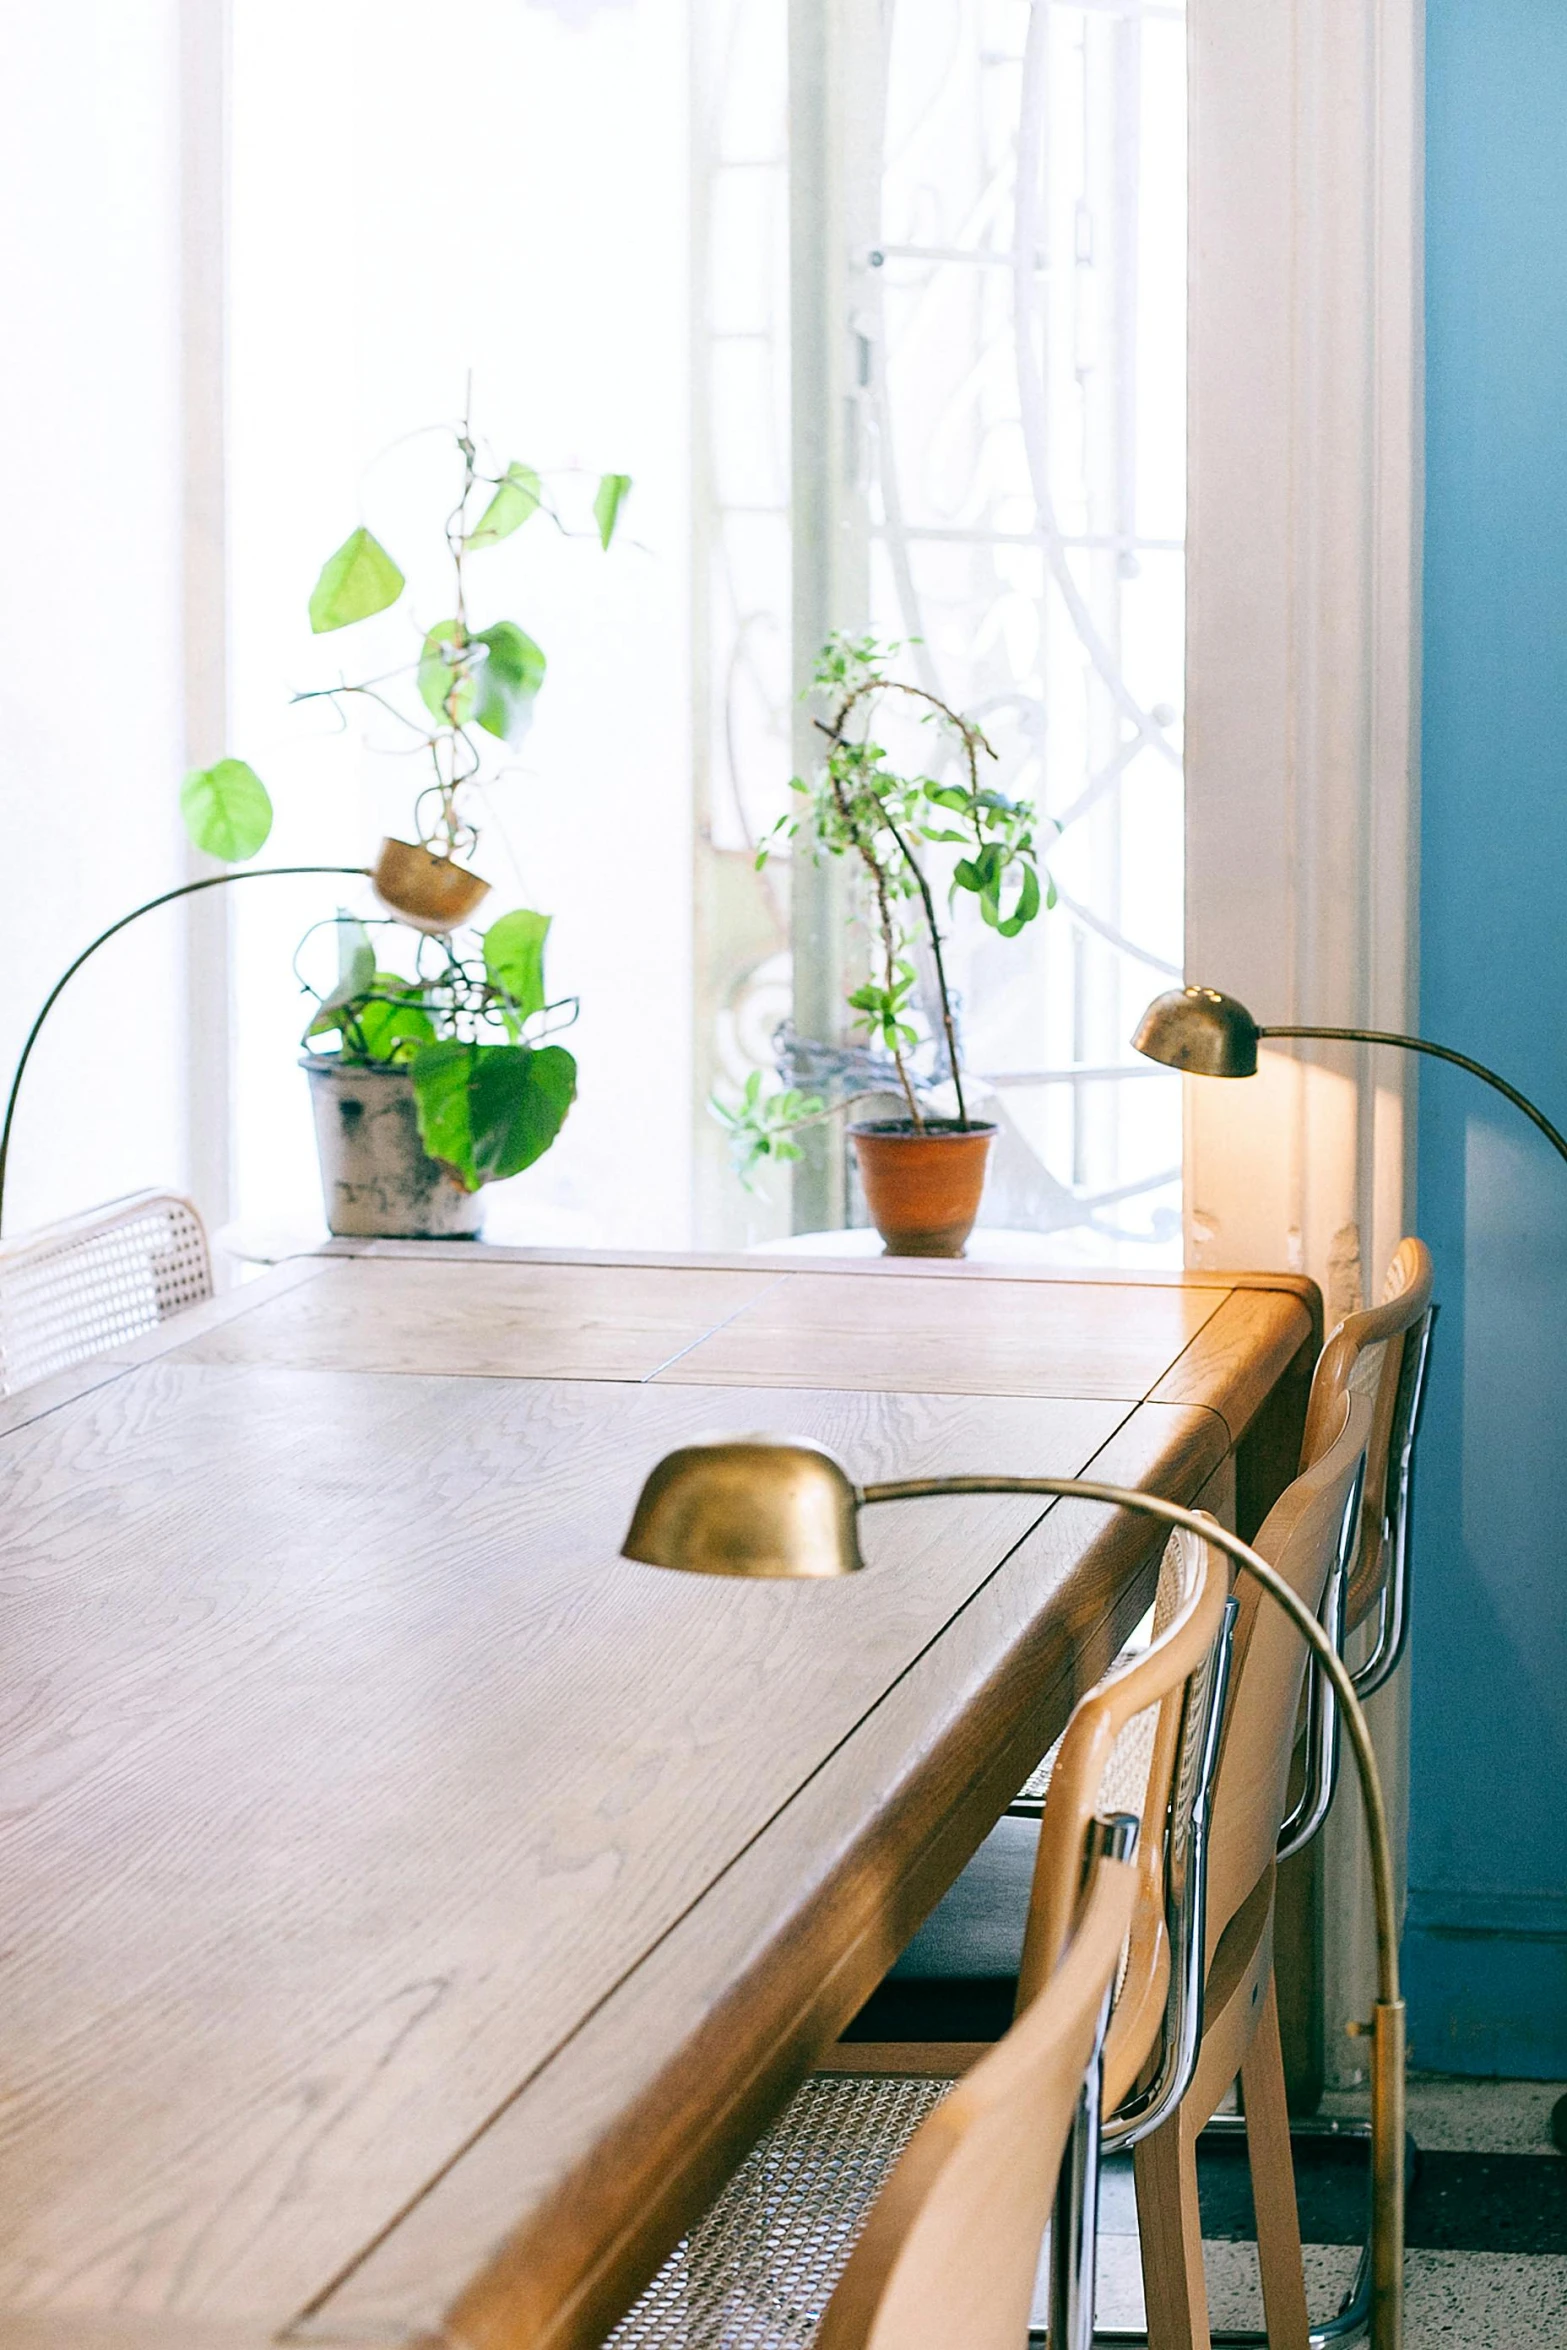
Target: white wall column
x=1303 y=554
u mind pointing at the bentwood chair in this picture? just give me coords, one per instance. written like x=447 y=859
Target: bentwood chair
x=1140 y=1742
x=94 y=1280
x=949 y=2239
x=1383 y=1355
x=1307 y=1536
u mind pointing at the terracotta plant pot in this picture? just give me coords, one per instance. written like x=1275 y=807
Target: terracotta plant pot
x=922 y=1189
x=376 y=1181
x=429 y=893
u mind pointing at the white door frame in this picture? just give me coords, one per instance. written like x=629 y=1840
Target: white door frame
x=1302 y=674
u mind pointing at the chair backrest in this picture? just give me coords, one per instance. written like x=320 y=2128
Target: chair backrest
x=1123 y=1750
x=1366 y=1353
x=96 y=1279
x=951 y=2249
x=1301 y=1537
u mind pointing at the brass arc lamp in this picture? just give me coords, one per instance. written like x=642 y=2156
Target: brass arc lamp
x=1208 y=1034
x=765 y=1506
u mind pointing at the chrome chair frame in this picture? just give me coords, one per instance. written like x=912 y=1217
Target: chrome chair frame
x=1392 y=1633
x=1074 y=2227
x=1184 y=2014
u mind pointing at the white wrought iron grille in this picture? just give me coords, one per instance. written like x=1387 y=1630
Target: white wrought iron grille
x=1023 y=313
x=1017 y=335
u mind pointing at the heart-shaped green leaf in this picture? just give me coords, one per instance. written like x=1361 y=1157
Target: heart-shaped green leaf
x=508 y=681
x=612 y=492
x=226 y=810
x=519 y=1102
x=446 y=675
x=516 y=500
x=359 y=579
x=514 y=958
x=488 y=1111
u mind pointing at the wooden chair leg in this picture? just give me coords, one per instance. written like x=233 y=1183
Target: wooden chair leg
x=1273 y=2182
x=1169 y=2223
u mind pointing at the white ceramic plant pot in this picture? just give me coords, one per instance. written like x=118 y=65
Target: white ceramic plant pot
x=377 y=1183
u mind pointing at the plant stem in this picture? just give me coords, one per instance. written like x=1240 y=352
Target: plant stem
x=970 y=737
x=888 y=935
x=941 y=970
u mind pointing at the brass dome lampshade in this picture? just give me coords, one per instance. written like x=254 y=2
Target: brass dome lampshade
x=762 y=1506
x=782 y=1508
x=1209 y=1034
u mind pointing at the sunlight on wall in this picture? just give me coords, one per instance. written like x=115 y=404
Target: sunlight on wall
x=1246 y=1124
x=406 y=208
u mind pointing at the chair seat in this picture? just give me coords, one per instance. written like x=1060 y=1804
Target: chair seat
x=758 y=2271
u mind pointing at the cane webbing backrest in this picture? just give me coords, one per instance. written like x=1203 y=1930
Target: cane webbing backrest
x=876 y=2208
x=1366 y=1354
x=95 y=1280
x=951 y=2250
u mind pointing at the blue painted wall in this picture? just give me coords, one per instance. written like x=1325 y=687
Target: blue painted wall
x=1486 y=1950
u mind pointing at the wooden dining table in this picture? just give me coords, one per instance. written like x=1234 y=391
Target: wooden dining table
x=412 y=1909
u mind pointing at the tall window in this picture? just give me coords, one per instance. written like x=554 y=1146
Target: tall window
x=617 y=269
x=1015 y=302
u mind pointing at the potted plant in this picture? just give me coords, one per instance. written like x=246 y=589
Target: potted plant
x=922 y=1173
x=431 y=1080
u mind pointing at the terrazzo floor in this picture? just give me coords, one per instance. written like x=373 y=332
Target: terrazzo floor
x=1487 y=2260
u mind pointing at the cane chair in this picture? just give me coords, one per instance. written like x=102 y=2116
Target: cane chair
x=966 y=1961
x=1307 y=1536
x=922 y=2244
x=1143 y=1737
x=94 y=1280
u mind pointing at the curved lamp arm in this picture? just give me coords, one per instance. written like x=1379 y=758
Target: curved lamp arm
x=1437 y=1052
x=187 y=889
x=1388 y=2032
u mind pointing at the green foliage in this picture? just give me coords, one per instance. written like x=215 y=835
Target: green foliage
x=489 y=678
x=518 y=497
x=859 y=806
x=613 y=490
x=487 y=1111
x=509 y=680
x=761 y=1126
x=355 y=964
x=226 y=809
x=445 y=676
x=378 y=1016
x=491 y=1093
x=882 y=1009
x=360 y=579
x=514 y=961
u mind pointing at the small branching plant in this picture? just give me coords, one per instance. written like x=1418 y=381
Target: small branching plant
x=470 y=1021
x=858 y=806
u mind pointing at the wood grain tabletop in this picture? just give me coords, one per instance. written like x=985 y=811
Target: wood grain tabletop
x=412 y=1908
